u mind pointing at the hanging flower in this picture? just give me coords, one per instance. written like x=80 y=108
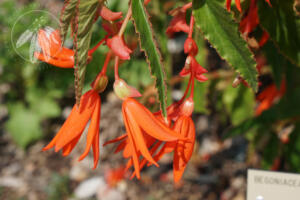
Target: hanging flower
x=237 y=4
x=118 y=46
x=250 y=20
x=71 y=131
x=178 y=23
x=268 y=97
x=192 y=66
x=52 y=51
x=109 y=15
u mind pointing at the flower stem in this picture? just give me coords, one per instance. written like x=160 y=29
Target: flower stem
x=91 y=51
x=117 y=68
x=107 y=59
x=125 y=22
x=186 y=91
x=192 y=21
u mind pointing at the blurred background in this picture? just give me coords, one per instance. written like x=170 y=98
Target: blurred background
x=36 y=98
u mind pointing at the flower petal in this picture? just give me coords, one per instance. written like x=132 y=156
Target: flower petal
x=139 y=138
x=149 y=123
x=93 y=129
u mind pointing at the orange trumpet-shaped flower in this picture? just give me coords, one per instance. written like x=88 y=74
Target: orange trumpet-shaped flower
x=143 y=129
x=52 y=51
x=69 y=134
x=182 y=148
x=268 y=96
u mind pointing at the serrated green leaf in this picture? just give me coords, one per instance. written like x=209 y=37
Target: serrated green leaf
x=149 y=45
x=85 y=16
x=23 y=125
x=220 y=29
x=283 y=26
x=67 y=13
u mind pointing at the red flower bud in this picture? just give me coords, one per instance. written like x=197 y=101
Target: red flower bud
x=123 y=90
x=187 y=107
x=109 y=15
x=100 y=83
x=190 y=47
x=118 y=46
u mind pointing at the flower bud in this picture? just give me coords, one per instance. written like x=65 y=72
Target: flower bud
x=118 y=46
x=190 y=47
x=100 y=83
x=124 y=91
x=187 y=107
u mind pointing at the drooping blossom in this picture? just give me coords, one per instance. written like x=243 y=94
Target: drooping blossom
x=250 y=20
x=71 y=131
x=183 y=149
x=109 y=15
x=237 y=4
x=52 y=51
x=194 y=68
x=268 y=97
x=118 y=46
x=178 y=23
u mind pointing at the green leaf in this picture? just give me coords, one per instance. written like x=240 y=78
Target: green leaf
x=239 y=103
x=42 y=104
x=285 y=109
x=220 y=29
x=67 y=13
x=85 y=16
x=149 y=45
x=276 y=61
x=23 y=125
x=283 y=27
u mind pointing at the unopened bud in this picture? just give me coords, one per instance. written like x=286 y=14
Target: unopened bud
x=100 y=83
x=187 y=107
x=123 y=90
x=190 y=47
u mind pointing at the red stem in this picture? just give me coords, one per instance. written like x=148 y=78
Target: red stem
x=186 y=91
x=107 y=59
x=91 y=51
x=192 y=21
x=117 y=68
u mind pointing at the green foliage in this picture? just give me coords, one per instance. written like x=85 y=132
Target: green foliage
x=34 y=88
x=84 y=19
x=283 y=27
x=220 y=29
x=239 y=103
x=148 y=44
x=24 y=125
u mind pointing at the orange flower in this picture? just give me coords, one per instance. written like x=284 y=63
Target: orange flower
x=143 y=129
x=182 y=147
x=69 y=134
x=268 y=96
x=52 y=50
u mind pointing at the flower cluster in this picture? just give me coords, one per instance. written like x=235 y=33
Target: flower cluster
x=148 y=135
